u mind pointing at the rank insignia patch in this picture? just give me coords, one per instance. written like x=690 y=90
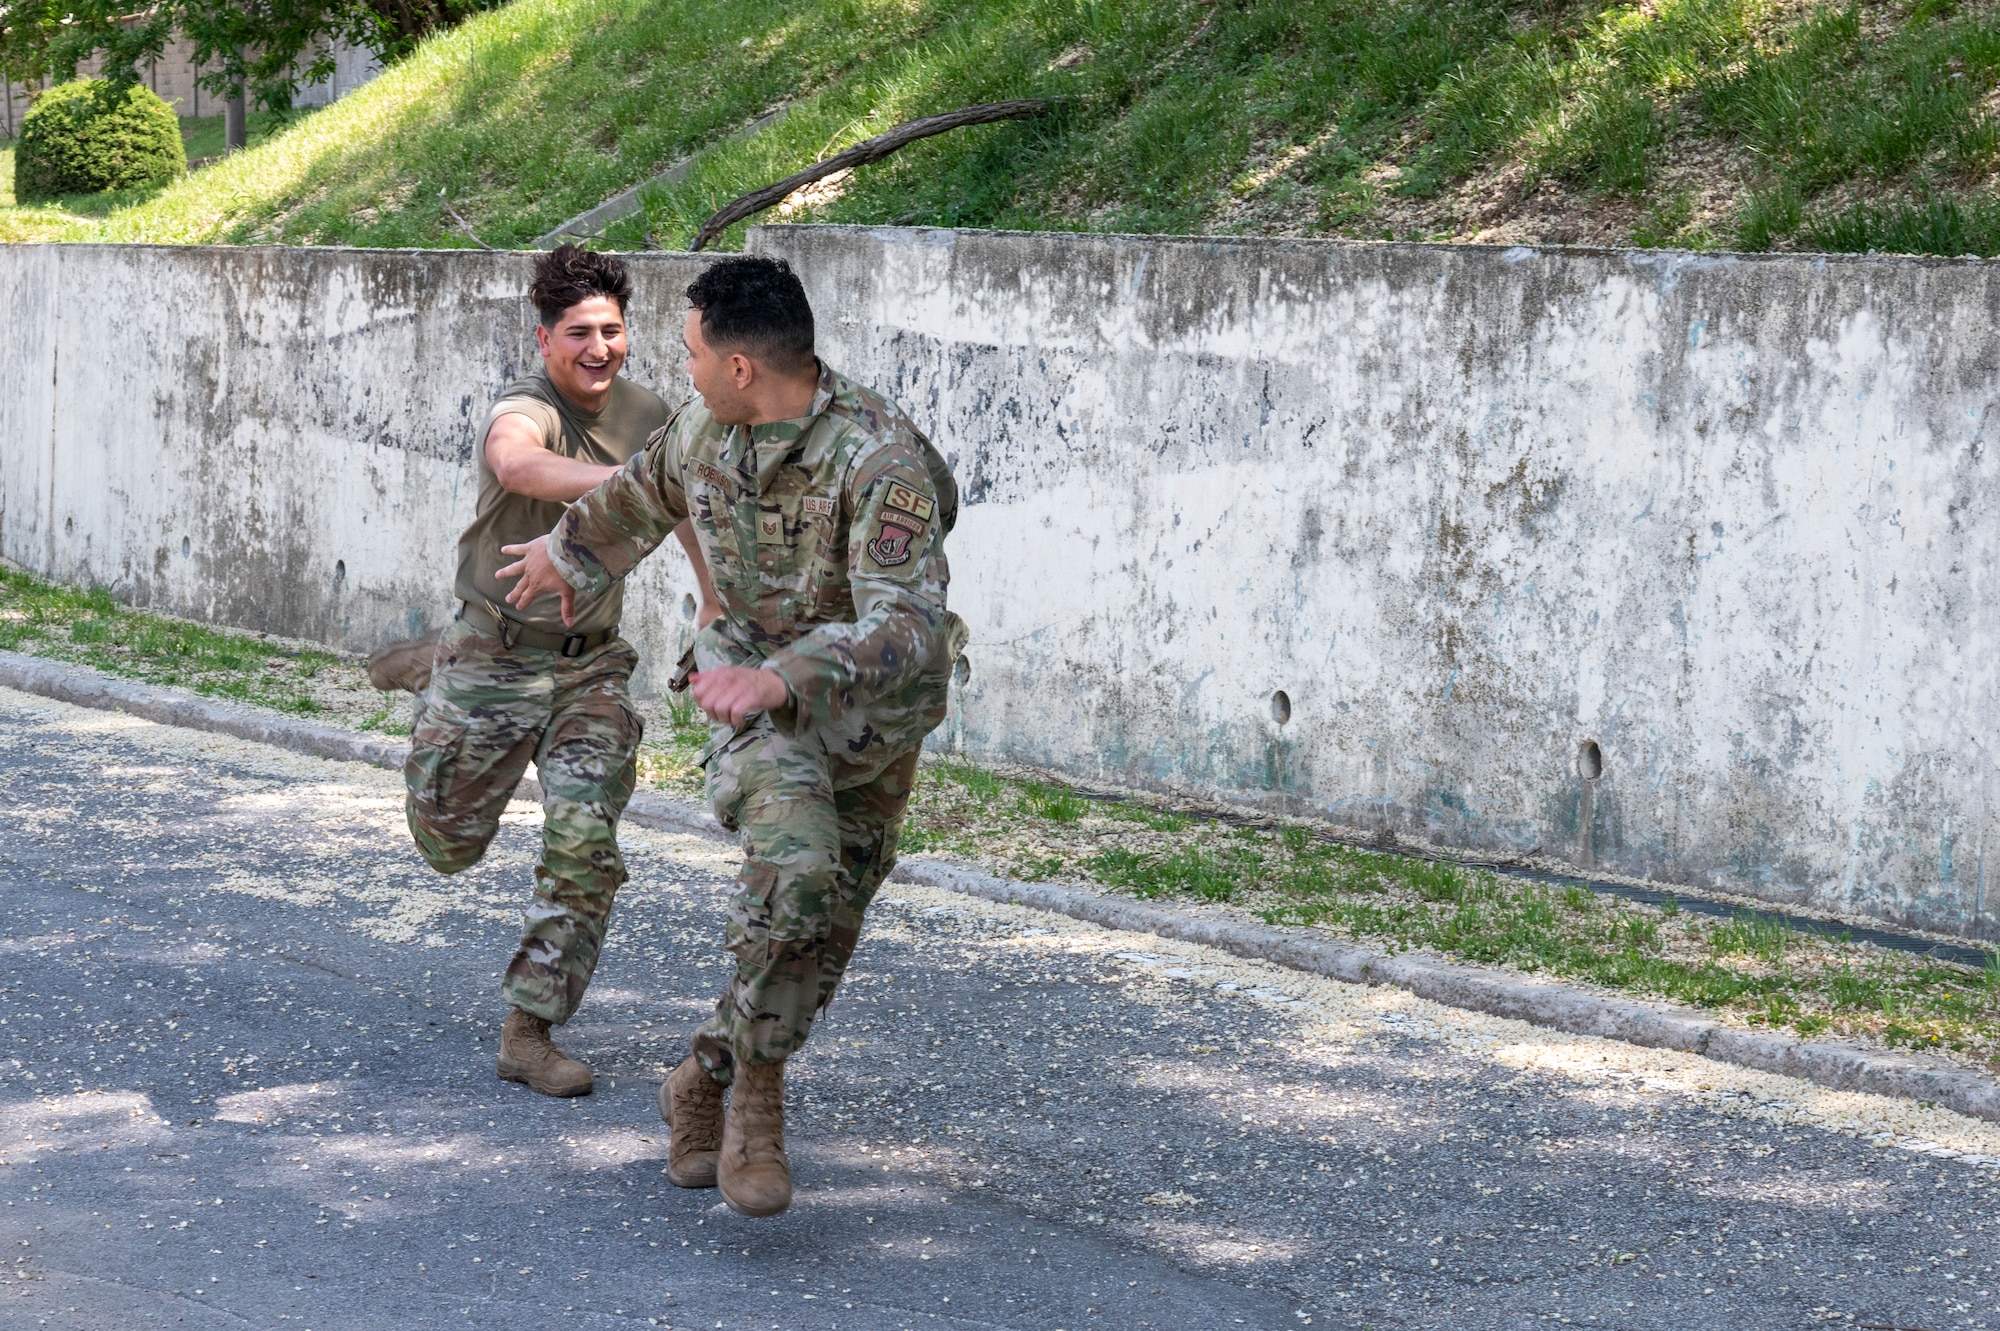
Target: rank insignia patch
x=770 y=527
x=903 y=497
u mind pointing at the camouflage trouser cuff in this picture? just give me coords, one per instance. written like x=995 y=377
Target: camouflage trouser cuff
x=714 y=1056
x=555 y=1006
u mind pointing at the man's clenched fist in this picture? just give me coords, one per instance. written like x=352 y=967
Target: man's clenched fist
x=733 y=694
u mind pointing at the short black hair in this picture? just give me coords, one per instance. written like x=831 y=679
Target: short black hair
x=756 y=305
x=567 y=276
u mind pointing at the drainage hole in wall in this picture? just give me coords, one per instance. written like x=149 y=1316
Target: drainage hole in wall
x=1590 y=761
x=687 y=607
x=1281 y=707
x=961 y=670
x=340 y=570
x=186 y=547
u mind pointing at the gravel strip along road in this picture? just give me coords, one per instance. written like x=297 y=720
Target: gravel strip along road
x=246 y=1045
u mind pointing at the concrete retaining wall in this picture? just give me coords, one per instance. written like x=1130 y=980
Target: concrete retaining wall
x=278 y=439
x=1718 y=531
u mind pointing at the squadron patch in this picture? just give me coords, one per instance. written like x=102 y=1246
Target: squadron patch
x=891 y=544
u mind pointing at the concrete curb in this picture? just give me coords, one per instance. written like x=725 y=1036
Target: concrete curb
x=175 y=707
x=1558 y=1006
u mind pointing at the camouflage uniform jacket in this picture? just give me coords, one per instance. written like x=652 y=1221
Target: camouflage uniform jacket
x=825 y=539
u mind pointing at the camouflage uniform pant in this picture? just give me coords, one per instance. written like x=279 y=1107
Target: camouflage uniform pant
x=815 y=851
x=488 y=711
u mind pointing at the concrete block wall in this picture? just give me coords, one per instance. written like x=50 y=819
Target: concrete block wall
x=1679 y=566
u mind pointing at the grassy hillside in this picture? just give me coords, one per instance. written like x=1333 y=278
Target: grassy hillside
x=1739 y=123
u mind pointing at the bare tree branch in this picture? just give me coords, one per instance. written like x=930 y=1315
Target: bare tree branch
x=870 y=150
x=463 y=225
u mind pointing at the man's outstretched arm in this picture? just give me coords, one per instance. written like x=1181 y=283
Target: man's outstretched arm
x=605 y=532
x=539 y=576
x=518 y=452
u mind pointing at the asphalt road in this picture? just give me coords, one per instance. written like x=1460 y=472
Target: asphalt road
x=246 y=1049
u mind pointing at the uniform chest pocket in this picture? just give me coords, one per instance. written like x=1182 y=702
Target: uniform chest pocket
x=713 y=509
x=826 y=594
x=783 y=551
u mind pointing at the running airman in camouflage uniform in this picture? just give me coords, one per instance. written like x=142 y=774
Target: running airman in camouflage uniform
x=825 y=540
x=547 y=680
x=491 y=708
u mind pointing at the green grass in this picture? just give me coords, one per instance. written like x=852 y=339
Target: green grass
x=21 y=224
x=1213 y=874
x=1482 y=917
x=206 y=136
x=1055 y=803
x=1753 y=967
x=667 y=753
x=90 y=628
x=1319 y=117
x=76 y=216
x=1936 y=224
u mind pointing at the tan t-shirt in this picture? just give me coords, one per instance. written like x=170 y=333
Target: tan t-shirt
x=607 y=438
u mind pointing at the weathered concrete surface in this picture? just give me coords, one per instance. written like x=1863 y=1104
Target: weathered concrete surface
x=1727 y=519
x=246 y=1078
x=1722 y=522
x=277 y=439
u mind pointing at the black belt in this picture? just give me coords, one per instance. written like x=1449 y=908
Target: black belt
x=512 y=633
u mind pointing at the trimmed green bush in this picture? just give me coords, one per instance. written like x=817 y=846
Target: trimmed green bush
x=92 y=135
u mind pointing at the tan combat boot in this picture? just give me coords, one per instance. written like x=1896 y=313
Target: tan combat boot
x=528 y=1055
x=753 y=1173
x=691 y=1104
x=403 y=665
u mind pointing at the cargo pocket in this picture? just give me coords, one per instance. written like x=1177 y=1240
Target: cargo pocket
x=445 y=836
x=624 y=778
x=748 y=931
x=590 y=756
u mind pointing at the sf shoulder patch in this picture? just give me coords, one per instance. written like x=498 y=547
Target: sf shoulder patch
x=917 y=506
x=900 y=525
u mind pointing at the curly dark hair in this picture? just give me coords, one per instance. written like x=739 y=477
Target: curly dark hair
x=757 y=306
x=567 y=276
